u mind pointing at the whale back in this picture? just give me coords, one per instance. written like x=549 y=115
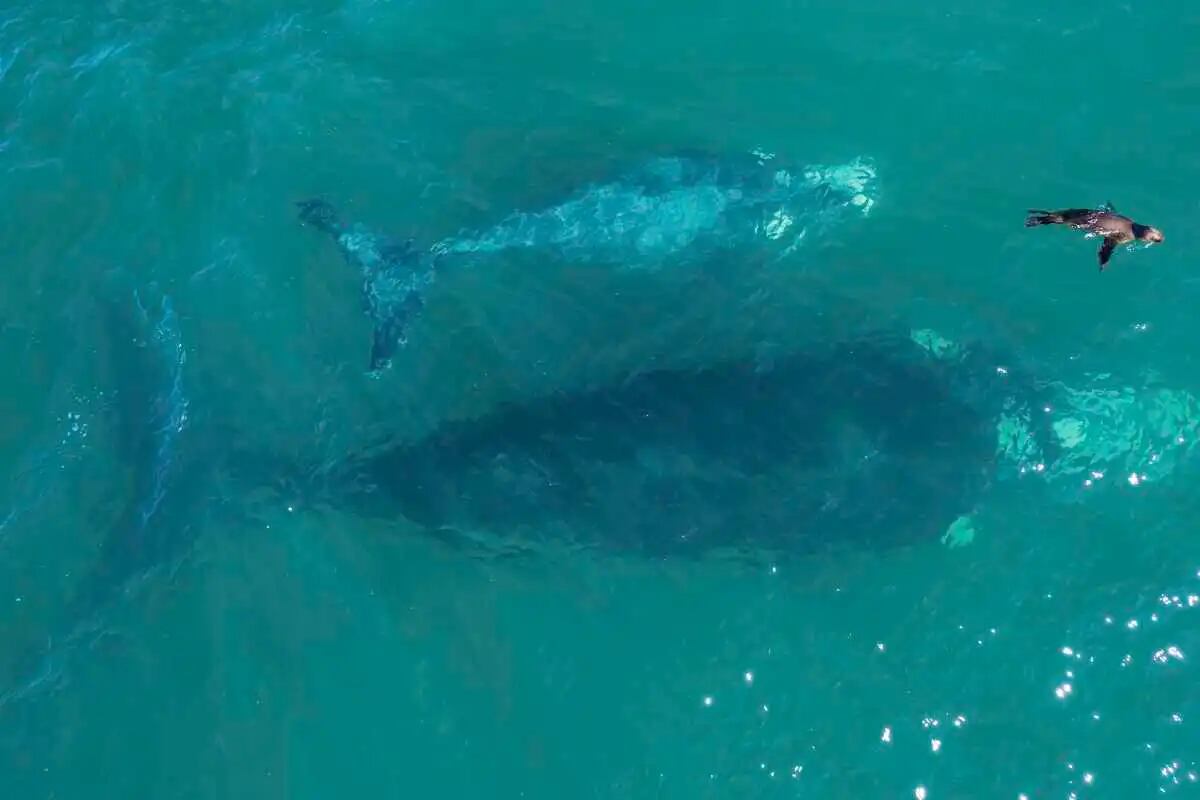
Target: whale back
x=861 y=444
x=677 y=209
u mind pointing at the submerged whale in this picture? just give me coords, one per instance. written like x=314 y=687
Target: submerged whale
x=869 y=442
x=142 y=517
x=866 y=443
x=146 y=357
x=667 y=212
x=892 y=438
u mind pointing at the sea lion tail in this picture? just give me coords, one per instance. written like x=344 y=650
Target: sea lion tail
x=1038 y=216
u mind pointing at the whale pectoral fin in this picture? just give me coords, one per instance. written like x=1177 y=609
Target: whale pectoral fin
x=1106 y=251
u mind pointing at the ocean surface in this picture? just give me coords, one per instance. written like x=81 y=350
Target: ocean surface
x=904 y=509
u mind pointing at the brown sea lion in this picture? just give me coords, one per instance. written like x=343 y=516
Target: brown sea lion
x=1105 y=222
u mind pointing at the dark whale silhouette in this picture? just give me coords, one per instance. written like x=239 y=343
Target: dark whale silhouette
x=160 y=489
x=869 y=443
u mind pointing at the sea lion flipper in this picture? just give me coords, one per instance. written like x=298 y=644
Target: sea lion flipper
x=1106 y=250
x=1038 y=216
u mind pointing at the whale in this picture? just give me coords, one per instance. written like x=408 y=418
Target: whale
x=151 y=411
x=866 y=443
x=895 y=437
x=678 y=211
x=142 y=520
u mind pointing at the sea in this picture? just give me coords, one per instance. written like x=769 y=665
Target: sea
x=904 y=509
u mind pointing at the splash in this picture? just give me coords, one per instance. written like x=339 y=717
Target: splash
x=1081 y=436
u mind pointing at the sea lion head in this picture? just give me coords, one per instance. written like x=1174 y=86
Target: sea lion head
x=1147 y=233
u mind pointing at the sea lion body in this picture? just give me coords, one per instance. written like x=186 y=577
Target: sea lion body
x=1116 y=229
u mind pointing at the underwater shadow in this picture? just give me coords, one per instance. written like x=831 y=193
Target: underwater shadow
x=869 y=443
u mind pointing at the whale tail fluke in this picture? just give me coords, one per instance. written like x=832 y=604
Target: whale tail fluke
x=391 y=331
x=395 y=275
x=1041 y=217
x=319 y=214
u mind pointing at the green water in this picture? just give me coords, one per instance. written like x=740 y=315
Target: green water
x=289 y=647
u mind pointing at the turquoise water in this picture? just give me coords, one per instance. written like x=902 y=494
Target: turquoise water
x=618 y=579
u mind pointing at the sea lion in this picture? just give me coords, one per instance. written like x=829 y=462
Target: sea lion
x=1116 y=229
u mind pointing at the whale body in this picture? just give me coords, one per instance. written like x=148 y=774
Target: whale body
x=864 y=443
x=672 y=212
x=141 y=517
x=890 y=438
